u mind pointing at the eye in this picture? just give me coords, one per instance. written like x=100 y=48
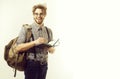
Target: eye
x=41 y=14
x=36 y=14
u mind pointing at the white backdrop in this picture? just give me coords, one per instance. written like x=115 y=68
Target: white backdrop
x=89 y=32
x=15 y=13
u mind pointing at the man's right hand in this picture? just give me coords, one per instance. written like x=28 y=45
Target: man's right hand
x=40 y=40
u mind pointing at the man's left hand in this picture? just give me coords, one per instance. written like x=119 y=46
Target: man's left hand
x=51 y=50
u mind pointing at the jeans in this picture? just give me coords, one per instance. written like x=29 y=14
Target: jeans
x=34 y=70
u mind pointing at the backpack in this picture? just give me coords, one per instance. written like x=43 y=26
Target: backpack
x=13 y=59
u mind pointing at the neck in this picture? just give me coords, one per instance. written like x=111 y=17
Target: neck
x=40 y=25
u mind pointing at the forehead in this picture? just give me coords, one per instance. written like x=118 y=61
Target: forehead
x=38 y=10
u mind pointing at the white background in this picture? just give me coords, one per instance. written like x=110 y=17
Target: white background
x=15 y=13
x=89 y=32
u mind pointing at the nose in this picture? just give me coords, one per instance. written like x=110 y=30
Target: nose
x=39 y=16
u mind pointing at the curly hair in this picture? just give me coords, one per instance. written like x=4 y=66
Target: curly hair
x=40 y=6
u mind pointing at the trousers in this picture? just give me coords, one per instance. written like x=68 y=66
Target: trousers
x=34 y=70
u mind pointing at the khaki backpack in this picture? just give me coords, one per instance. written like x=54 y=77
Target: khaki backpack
x=13 y=59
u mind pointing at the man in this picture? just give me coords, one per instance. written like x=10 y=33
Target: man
x=36 y=66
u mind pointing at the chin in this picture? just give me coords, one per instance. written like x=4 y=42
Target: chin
x=39 y=22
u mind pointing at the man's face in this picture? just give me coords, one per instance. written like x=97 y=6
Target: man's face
x=39 y=16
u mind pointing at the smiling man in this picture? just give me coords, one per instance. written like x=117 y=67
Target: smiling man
x=37 y=59
x=39 y=14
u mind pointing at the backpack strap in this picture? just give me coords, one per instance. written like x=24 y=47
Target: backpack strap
x=28 y=36
x=28 y=32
